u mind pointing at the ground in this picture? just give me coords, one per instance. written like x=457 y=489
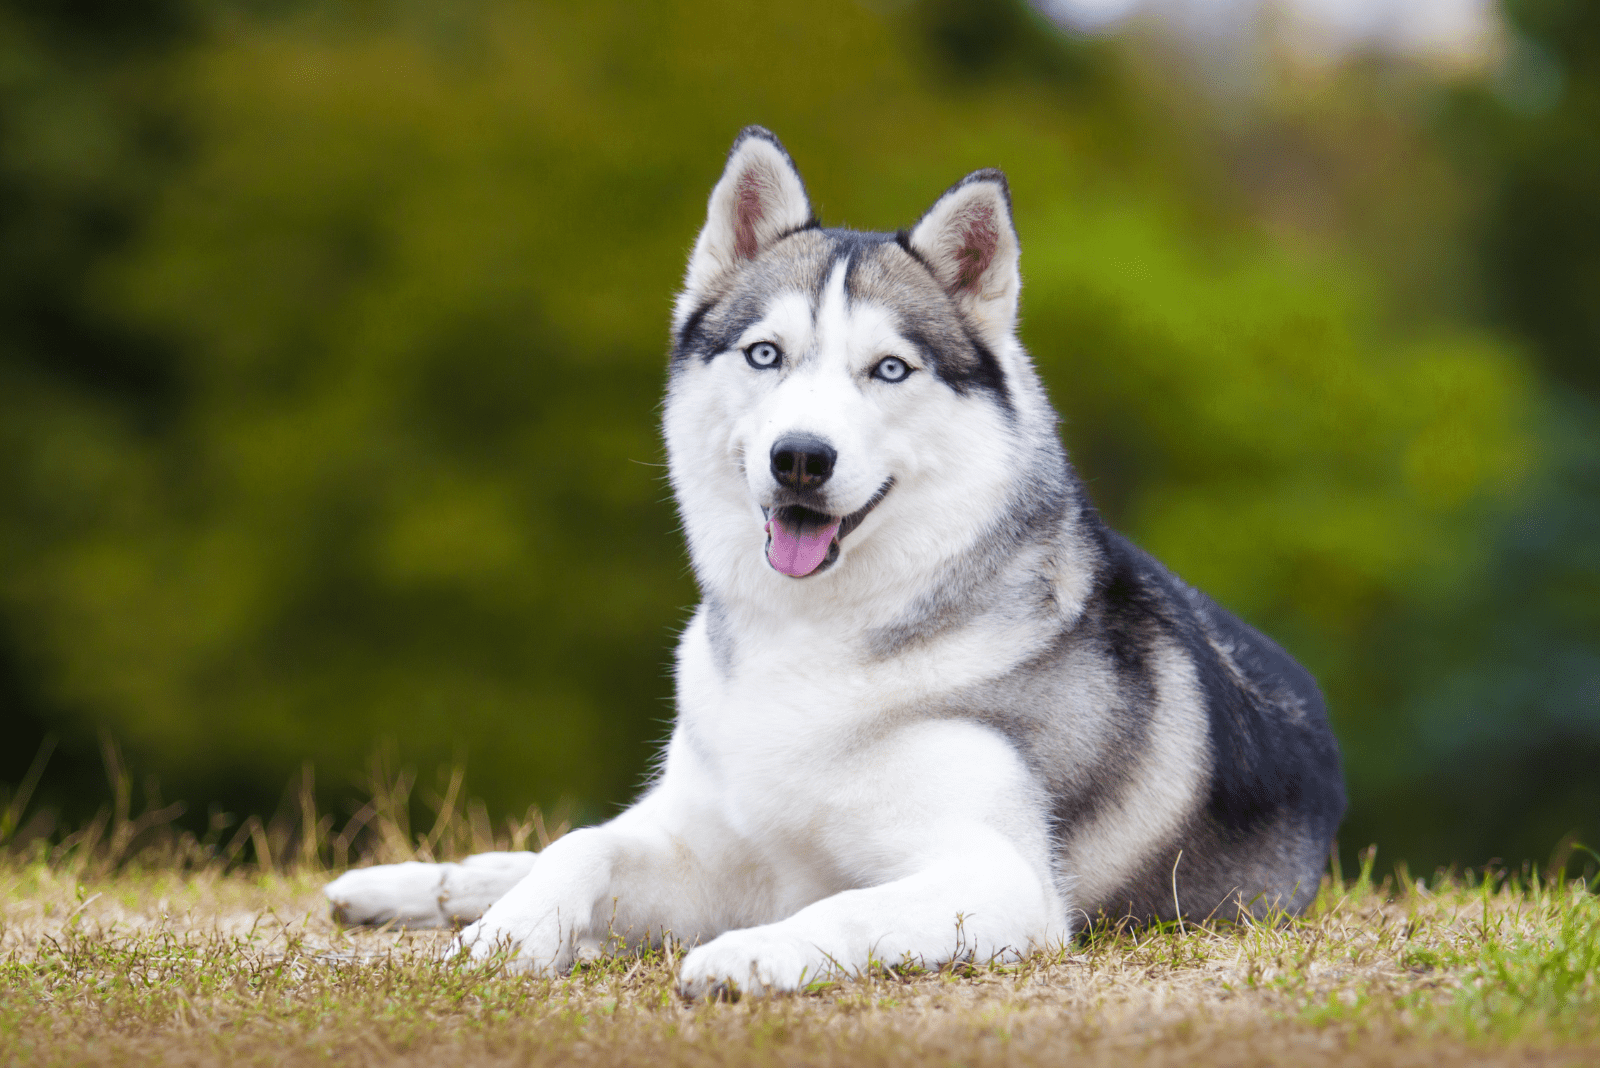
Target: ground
x=145 y=965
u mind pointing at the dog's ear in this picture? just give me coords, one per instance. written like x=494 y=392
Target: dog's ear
x=759 y=199
x=968 y=242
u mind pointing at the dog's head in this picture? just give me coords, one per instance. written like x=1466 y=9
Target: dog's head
x=834 y=390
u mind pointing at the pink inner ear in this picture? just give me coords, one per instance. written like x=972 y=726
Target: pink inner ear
x=749 y=196
x=980 y=238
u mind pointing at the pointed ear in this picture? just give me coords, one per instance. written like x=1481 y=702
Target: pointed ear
x=968 y=242
x=759 y=199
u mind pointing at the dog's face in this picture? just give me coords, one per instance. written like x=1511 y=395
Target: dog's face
x=833 y=390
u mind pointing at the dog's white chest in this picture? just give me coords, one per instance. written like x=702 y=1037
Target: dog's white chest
x=783 y=741
x=825 y=773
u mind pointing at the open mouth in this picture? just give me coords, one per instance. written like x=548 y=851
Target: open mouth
x=802 y=541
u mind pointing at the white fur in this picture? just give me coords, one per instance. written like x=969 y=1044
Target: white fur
x=806 y=821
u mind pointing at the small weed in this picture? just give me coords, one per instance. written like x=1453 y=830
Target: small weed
x=1534 y=968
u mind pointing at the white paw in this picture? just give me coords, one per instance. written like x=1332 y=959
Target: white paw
x=758 y=960
x=405 y=894
x=414 y=894
x=535 y=944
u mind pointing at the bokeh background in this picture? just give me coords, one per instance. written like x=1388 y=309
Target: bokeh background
x=332 y=338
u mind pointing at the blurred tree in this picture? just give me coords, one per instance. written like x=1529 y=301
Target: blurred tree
x=1541 y=238
x=88 y=136
x=1496 y=737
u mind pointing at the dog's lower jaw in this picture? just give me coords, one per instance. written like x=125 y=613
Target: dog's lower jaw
x=847 y=524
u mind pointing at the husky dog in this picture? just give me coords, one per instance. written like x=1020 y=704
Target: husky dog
x=931 y=707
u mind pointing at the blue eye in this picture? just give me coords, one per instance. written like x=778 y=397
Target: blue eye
x=891 y=369
x=763 y=355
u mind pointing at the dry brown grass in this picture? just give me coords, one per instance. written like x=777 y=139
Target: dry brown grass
x=128 y=943
x=149 y=966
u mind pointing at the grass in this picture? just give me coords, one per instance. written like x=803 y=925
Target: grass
x=146 y=966
x=191 y=951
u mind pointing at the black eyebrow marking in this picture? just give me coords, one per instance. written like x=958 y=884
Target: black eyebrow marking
x=745 y=313
x=988 y=373
x=691 y=328
x=962 y=371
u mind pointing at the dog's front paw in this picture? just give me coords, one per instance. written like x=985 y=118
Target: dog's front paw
x=759 y=960
x=532 y=944
x=403 y=894
x=525 y=945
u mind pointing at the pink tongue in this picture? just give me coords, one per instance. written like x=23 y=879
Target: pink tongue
x=798 y=547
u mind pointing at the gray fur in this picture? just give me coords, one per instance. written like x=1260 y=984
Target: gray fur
x=720 y=635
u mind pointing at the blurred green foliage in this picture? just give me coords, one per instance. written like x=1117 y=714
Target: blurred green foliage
x=335 y=339
x=1497 y=738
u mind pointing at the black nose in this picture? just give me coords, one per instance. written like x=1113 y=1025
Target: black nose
x=801 y=462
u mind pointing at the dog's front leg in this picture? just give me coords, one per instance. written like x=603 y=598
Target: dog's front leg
x=981 y=902
x=631 y=879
